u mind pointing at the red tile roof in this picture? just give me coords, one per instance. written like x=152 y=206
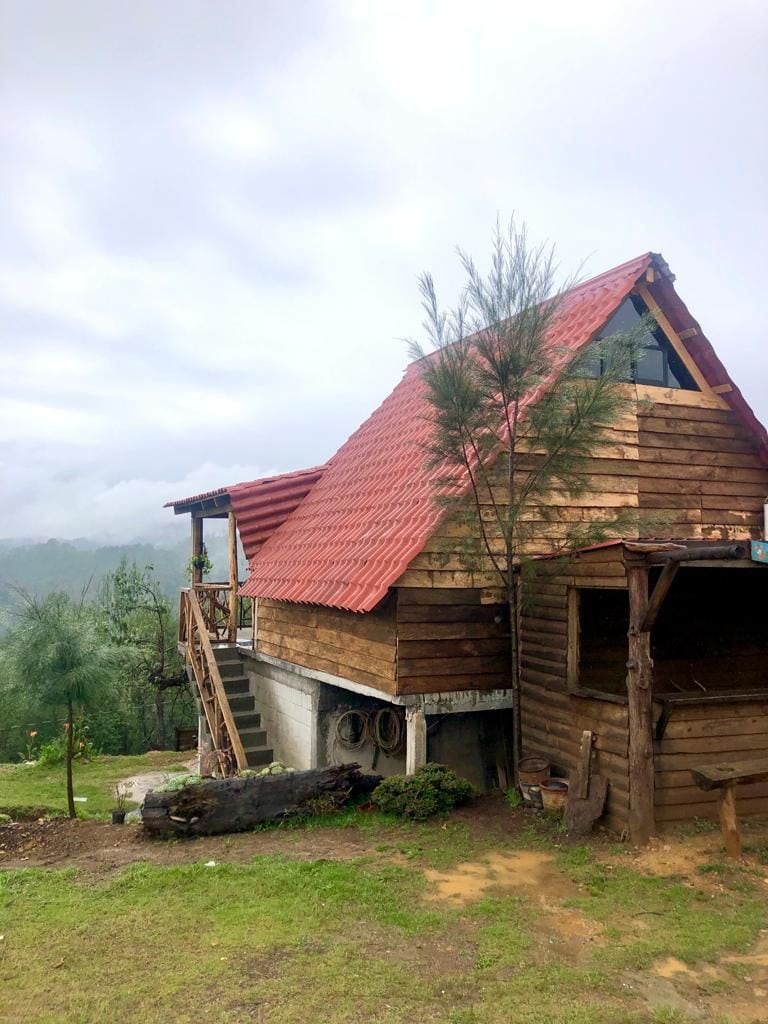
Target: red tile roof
x=217 y=493
x=374 y=507
x=260 y=506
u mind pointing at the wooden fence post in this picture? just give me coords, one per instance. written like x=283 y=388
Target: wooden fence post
x=642 y=821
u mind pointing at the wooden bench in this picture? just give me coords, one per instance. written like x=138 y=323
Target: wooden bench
x=725 y=776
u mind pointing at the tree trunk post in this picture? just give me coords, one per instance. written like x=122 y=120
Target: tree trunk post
x=70 y=748
x=160 y=716
x=415 y=739
x=514 y=667
x=197 y=549
x=642 y=823
x=233 y=580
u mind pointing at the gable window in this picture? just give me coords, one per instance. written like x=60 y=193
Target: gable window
x=659 y=364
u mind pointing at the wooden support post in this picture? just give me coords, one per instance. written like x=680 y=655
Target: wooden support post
x=728 y=822
x=415 y=739
x=233 y=577
x=642 y=824
x=197 y=548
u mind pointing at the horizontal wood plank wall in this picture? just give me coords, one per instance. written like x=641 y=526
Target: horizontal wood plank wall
x=678 y=457
x=361 y=648
x=698 y=467
x=447 y=639
x=704 y=733
x=553 y=719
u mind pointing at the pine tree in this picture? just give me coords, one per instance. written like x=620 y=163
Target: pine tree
x=515 y=417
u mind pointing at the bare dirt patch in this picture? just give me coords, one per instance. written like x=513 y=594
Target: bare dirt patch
x=518 y=870
x=97 y=847
x=532 y=873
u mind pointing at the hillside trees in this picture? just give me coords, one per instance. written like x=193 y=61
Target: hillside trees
x=138 y=621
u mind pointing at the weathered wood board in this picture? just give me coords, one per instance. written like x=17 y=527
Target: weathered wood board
x=581 y=813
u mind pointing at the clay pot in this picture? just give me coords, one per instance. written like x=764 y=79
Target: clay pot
x=554 y=794
x=533 y=770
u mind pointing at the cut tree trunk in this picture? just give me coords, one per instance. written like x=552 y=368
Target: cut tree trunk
x=234 y=805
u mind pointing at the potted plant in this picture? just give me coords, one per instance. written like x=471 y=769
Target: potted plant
x=200 y=562
x=121 y=791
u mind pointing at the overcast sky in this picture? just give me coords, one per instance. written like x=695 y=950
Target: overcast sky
x=212 y=215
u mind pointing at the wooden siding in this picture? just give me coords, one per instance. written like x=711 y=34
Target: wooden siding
x=702 y=733
x=553 y=718
x=678 y=457
x=700 y=468
x=447 y=639
x=361 y=648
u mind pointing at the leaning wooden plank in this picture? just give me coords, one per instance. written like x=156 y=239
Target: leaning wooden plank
x=582 y=813
x=237 y=804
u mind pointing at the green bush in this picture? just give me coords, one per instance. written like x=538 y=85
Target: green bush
x=434 y=789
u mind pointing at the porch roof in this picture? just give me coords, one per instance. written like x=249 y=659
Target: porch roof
x=260 y=506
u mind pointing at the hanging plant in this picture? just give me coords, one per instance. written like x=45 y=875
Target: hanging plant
x=199 y=562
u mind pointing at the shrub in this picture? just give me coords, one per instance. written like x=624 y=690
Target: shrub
x=434 y=789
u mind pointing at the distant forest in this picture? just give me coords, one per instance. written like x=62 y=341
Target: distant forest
x=56 y=565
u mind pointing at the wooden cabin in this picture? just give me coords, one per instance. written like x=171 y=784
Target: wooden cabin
x=371 y=639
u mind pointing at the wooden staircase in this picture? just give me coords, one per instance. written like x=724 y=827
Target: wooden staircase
x=223 y=692
x=243 y=707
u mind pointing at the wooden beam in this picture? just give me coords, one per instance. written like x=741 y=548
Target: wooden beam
x=642 y=823
x=704 y=552
x=233 y=576
x=689 y=332
x=674 y=340
x=197 y=548
x=660 y=591
x=722 y=389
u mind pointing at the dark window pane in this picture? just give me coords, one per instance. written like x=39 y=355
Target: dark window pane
x=659 y=365
x=650 y=367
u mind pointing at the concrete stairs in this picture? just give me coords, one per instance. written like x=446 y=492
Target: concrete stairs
x=243 y=707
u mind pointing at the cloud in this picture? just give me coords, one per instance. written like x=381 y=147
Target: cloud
x=211 y=226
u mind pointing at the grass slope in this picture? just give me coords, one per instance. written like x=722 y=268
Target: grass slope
x=29 y=787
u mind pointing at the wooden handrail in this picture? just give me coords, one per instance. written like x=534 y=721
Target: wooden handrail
x=213 y=696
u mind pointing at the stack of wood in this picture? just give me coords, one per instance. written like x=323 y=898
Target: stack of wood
x=237 y=804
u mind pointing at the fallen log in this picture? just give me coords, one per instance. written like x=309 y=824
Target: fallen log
x=235 y=805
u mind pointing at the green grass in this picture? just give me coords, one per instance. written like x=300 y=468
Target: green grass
x=29 y=787
x=647 y=917
x=285 y=940
x=279 y=941
x=282 y=941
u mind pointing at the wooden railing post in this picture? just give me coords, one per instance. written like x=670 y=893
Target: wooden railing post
x=232 y=578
